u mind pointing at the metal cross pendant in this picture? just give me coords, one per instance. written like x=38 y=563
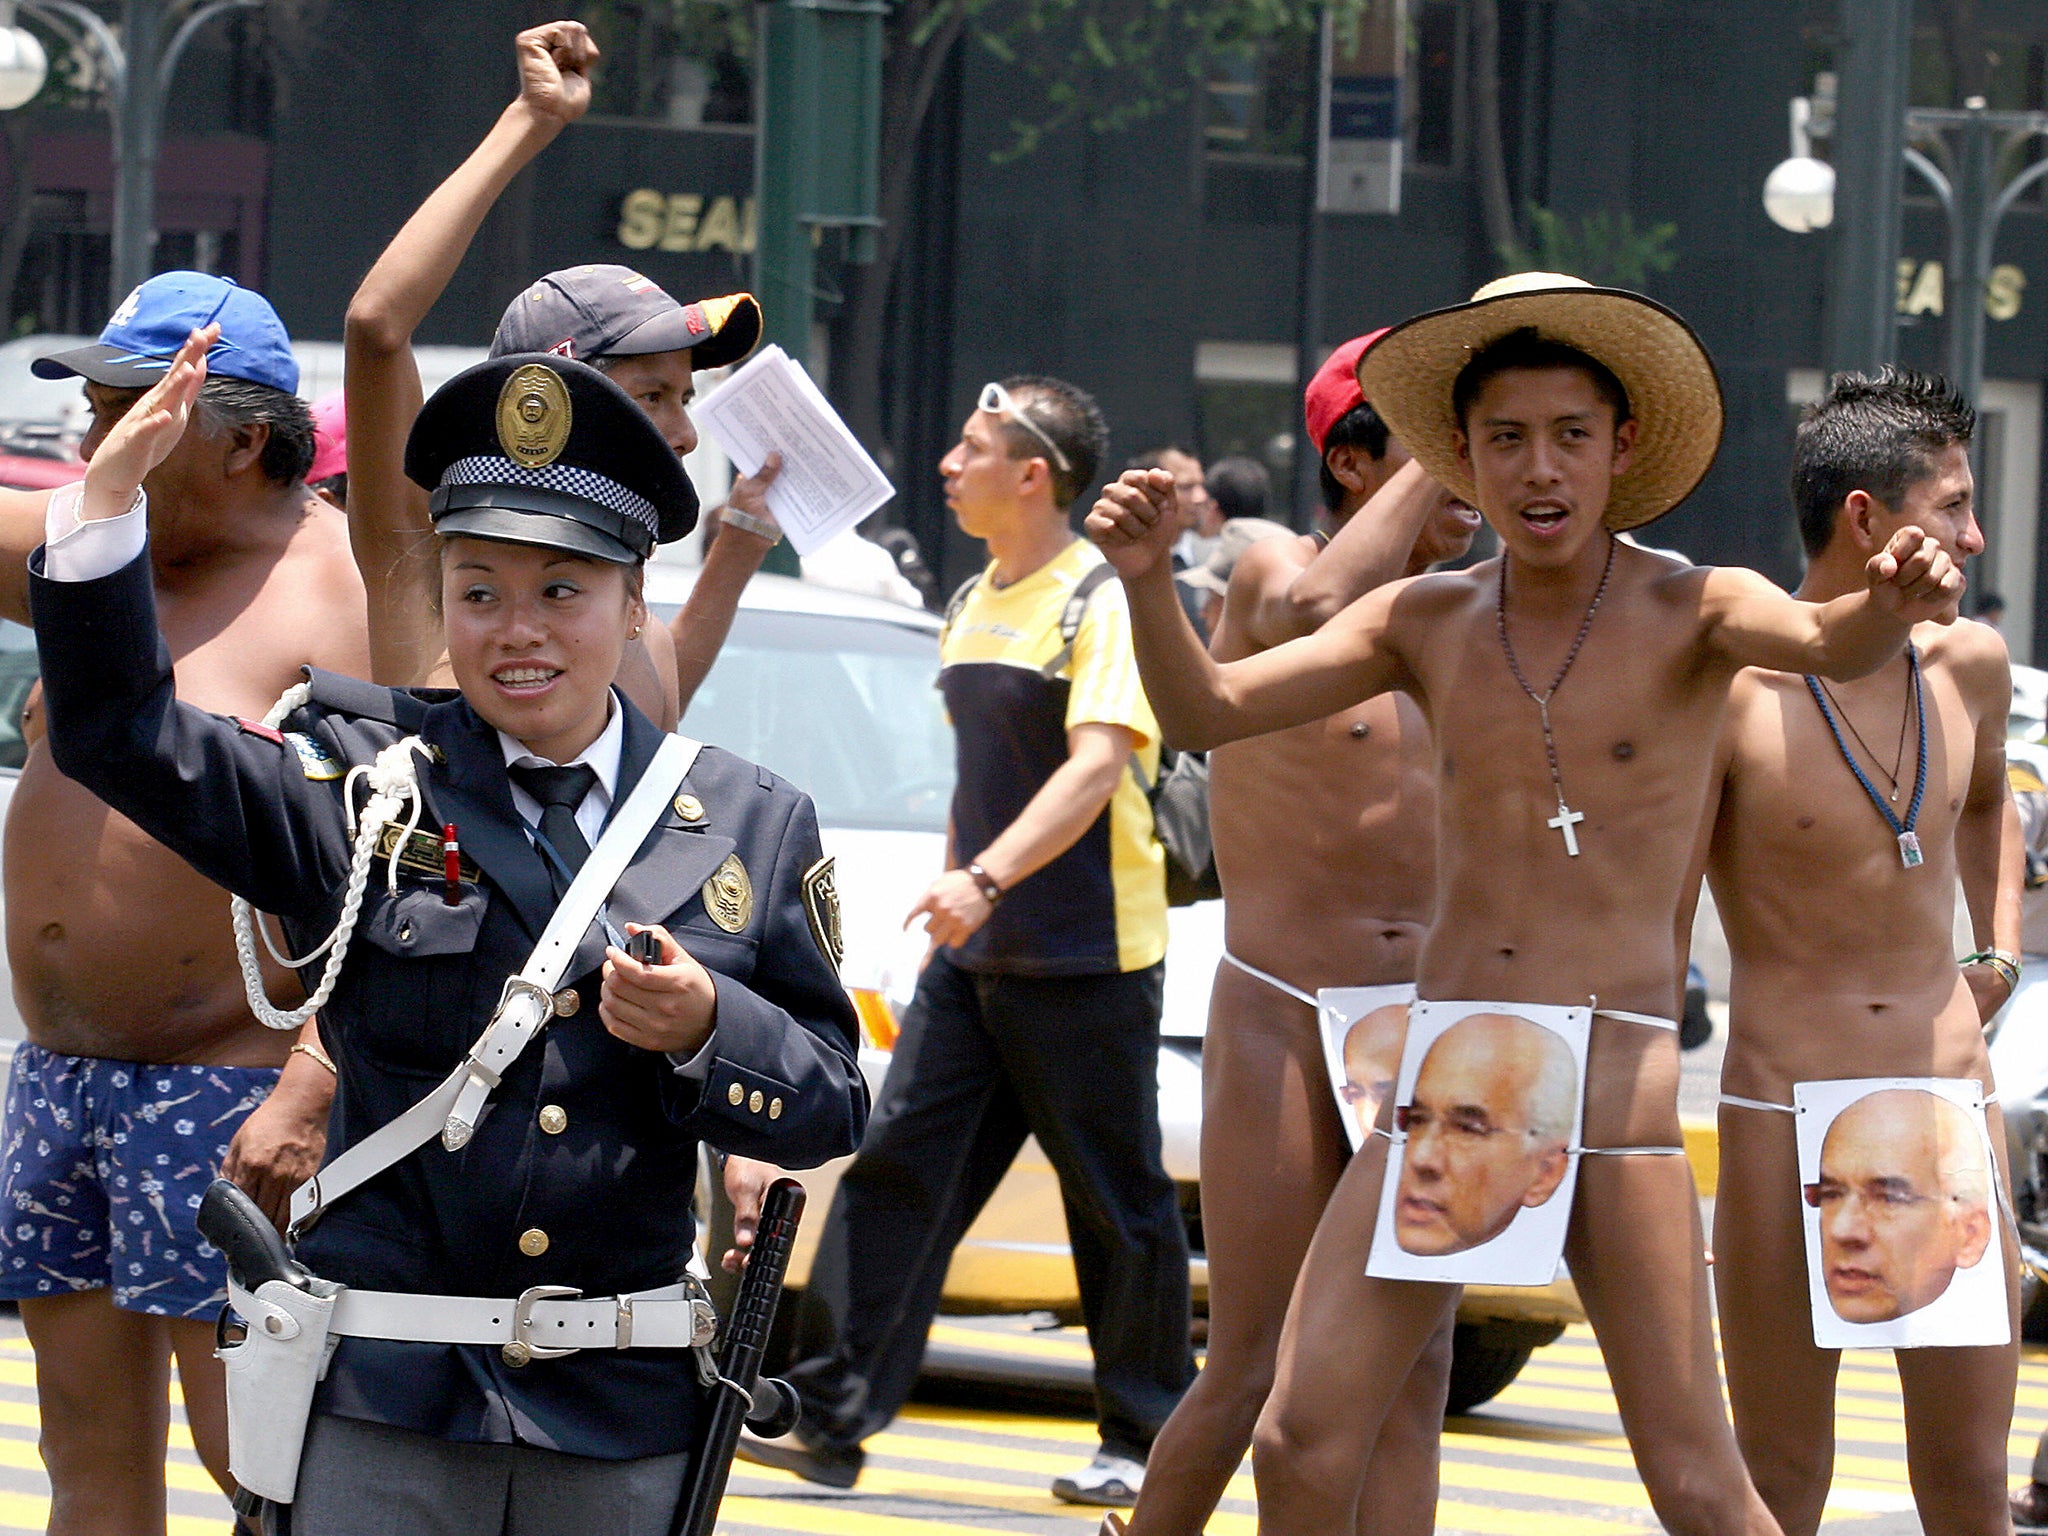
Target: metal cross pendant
x=1564 y=821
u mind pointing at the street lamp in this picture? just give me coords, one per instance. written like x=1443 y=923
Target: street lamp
x=23 y=66
x=1799 y=194
x=137 y=64
x=1957 y=153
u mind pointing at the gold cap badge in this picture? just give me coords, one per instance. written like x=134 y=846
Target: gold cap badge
x=534 y=416
x=729 y=895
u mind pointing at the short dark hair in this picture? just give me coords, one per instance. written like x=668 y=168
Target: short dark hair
x=1875 y=433
x=226 y=404
x=1530 y=348
x=1069 y=416
x=1155 y=458
x=1359 y=427
x=1239 y=486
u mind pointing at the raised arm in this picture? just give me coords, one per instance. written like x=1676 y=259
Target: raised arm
x=1202 y=703
x=387 y=514
x=1752 y=623
x=1991 y=855
x=1283 y=600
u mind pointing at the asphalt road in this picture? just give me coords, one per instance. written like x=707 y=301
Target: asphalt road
x=1544 y=1459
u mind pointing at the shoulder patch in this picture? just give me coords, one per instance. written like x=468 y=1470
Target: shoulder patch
x=821 y=906
x=319 y=764
x=269 y=733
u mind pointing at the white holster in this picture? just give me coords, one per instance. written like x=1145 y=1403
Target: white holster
x=271 y=1375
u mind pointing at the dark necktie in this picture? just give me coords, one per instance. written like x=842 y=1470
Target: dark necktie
x=559 y=791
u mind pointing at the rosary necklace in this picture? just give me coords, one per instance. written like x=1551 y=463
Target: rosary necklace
x=1566 y=819
x=1909 y=840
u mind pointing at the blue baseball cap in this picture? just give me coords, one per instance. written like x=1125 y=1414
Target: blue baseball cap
x=144 y=334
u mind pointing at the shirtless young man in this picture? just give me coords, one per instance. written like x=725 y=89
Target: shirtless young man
x=1562 y=412
x=142 y=1056
x=607 y=316
x=1843 y=965
x=1325 y=840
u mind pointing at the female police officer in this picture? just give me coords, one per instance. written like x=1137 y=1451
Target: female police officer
x=564 y=1217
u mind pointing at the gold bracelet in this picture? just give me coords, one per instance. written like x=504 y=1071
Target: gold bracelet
x=2005 y=964
x=317 y=1054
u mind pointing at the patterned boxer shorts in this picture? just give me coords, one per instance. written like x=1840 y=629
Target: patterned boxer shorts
x=101 y=1173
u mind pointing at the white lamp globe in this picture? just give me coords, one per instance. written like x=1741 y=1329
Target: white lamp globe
x=23 y=67
x=1800 y=194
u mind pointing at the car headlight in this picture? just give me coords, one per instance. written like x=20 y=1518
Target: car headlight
x=877 y=1018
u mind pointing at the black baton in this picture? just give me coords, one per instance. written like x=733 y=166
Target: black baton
x=741 y=1397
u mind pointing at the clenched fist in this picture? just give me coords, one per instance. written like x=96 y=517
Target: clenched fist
x=1136 y=521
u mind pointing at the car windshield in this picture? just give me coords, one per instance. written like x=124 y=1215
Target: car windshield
x=843 y=708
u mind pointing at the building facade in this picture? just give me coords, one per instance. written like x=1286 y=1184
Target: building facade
x=1159 y=265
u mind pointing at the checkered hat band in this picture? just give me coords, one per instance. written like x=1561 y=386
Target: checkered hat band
x=563 y=479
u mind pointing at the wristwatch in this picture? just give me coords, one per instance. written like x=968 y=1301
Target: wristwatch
x=746 y=522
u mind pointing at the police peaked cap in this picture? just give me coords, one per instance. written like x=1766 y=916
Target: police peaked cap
x=532 y=448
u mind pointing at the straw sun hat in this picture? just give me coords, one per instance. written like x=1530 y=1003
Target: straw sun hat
x=1672 y=390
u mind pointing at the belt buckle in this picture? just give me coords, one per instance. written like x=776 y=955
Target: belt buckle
x=521 y=1348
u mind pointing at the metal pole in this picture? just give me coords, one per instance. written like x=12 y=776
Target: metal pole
x=785 y=177
x=1972 y=221
x=1862 y=325
x=1308 y=342
x=137 y=126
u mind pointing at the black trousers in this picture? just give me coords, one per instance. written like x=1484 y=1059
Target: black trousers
x=982 y=1061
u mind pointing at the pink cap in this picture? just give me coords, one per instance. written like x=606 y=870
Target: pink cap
x=1334 y=390
x=330 y=439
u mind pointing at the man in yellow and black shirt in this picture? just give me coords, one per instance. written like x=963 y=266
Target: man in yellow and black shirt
x=1039 y=1010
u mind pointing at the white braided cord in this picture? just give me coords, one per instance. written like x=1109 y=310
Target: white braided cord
x=393 y=780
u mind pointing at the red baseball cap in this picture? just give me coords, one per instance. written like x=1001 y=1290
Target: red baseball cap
x=330 y=439
x=1334 y=390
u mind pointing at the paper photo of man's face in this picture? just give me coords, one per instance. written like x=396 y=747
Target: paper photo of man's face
x=1372 y=1060
x=1904 y=1197
x=1899 y=1203
x=1489 y=1130
x=1363 y=1030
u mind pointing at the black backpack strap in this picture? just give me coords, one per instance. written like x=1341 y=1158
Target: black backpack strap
x=1071 y=616
x=959 y=598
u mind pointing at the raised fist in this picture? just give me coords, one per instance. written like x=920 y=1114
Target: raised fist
x=554 y=69
x=1136 y=521
x=1914 y=578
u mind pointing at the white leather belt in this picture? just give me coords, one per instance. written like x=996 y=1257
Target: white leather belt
x=543 y=1322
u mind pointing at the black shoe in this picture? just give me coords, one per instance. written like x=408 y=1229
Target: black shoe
x=831 y=1465
x=2030 y=1509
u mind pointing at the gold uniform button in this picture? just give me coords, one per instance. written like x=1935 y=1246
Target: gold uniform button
x=689 y=807
x=533 y=1242
x=554 y=1119
x=754 y=1104
x=775 y=1109
x=567 y=1001
x=734 y=1095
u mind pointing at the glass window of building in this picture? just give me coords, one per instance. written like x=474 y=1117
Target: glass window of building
x=682 y=63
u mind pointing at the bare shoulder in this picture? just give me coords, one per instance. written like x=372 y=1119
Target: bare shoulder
x=1418 y=605
x=320 y=586
x=1271 y=564
x=1974 y=654
x=1713 y=586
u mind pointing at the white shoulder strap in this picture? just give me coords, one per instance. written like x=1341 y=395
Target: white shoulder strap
x=453 y=1108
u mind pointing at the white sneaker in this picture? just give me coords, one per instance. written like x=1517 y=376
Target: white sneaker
x=1105 y=1480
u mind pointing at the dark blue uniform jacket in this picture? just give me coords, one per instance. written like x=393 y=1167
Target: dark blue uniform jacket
x=611 y=1190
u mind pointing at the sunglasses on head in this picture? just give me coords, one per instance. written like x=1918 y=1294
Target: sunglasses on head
x=996 y=401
